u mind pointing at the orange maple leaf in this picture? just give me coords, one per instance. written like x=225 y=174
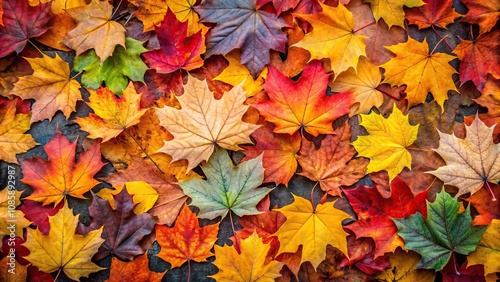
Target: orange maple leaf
x=280 y=153
x=53 y=179
x=421 y=71
x=186 y=240
x=303 y=104
x=331 y=164
x=136 y=270
x=112 y=114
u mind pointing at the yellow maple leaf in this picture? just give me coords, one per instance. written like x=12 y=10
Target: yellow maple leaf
x=13 y=140
x=237 y=73
x=471 y=162
x=387 y=142
x=392 y=11
x=95 y=30
x=421 y=71
x=143 y=195
x=62 y=249
x=313 y=228
x=403 y=269
x=362 y=82
x=112 y=114
x=184 y=11
x=249 y=265
x=204 y=122
x=333 y=37
x=487 y=252
x=51 y=86
x=9 y=216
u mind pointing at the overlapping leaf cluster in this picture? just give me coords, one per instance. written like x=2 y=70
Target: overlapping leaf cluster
x=251 y=140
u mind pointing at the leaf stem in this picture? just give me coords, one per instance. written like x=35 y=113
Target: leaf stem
x=455 y=264
x=236 y=239
x=446 y=42
x=143 y=150
x=491 y=191
x=363 y=27
x=437 y=44
x=189 y=270
x=116 y=10
x=80 y=72
x=419 y=149
x=312 y=195
x=58 y=273
x=33 y=44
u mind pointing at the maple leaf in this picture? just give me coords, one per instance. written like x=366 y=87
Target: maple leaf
x=186 y=240
x=483 y=13
x=331 y=164
x=403 y=269
x=486 y=208
x=53 y=179
x=39 y=214
x=51 y=86
x=361 y=255
x=9 y=214
x=20 y=23
x=13 y=139
x=115 y=71
x=123 y=230
x=21 y=271
x=313 y=228
x=149 y=12
x=247 y=265
x=112 y=115
x=375 y=213
x=434 y=13
x=479 y=58
x=143 y=195
x=421 y=71
x=280 y=153
x=470 y=162
x=280 y=5
x=442 y=233
x=170 y=196
x=136 y=270
x=227 y=188
x=204 y=121
x=62 y=249
x=253 y=31
x=333 y=37
x=489 y=98
x=387 y=142
x=177 y=49
x=265 y=224
x=95 y=30
x=362 y=82
x=302 y=104
x=487 y=252
x=392 y=11
x=237 y=73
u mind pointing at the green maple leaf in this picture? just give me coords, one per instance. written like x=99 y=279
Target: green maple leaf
x=443 y=232
x=115 y=71
x=228 y=187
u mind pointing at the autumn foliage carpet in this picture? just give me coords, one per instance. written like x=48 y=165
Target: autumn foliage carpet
x=249 y=140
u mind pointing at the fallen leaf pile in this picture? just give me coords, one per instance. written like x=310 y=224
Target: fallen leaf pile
x=249 y=140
